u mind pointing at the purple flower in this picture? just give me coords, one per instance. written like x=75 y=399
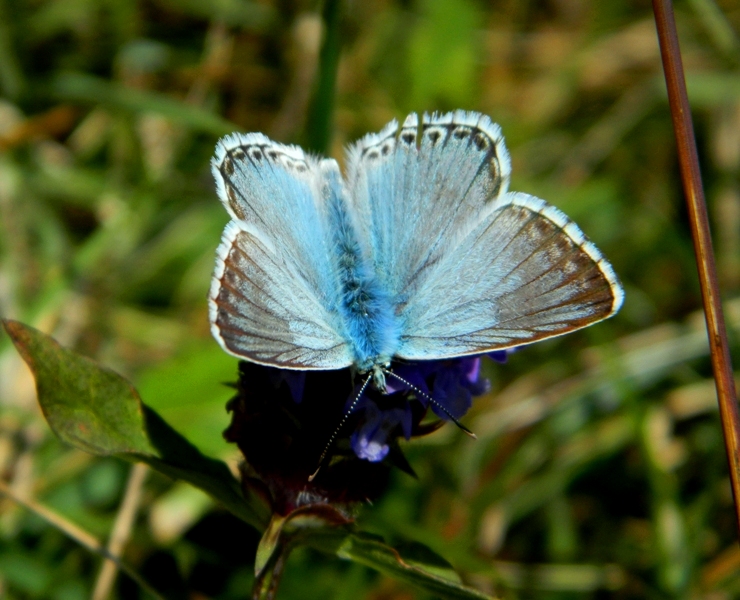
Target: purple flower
x=370 y=439
x=295 y=380
x=282 y=421
x=455 y=383
x=451 y=384
x=501 y=356
x=447 y=385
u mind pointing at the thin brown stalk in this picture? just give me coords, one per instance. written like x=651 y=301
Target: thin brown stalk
x=75 y=532
x=697 y=209
x=121 y=530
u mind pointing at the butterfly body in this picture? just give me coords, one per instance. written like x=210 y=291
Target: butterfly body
x=366 y=311
x=421 y=252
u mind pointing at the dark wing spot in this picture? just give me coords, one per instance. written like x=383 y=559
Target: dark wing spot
x=494 y=168
x=460 y=132
x=373 y=155
x=231 y=194
x=562 y=244
x=386 y=149
x=542 y=226
x=238 y=154
x=408 y=138
x=481 y=141
x=434 y=136
x=257 y=154
x=272 y=154
x=301 y=168
x=227 y=166
x=230 y=277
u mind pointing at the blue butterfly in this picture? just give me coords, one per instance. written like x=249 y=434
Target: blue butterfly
x=420 y=253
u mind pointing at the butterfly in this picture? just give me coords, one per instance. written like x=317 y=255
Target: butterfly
x=420 y=252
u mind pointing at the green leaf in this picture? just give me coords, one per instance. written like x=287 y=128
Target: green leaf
x=97 y=410
x=192 y=404
x=413 y=563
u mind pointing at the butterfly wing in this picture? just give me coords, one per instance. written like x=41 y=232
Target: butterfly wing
x=415 y=189
x=472 y=267
x=273 y=296
x=525 y=273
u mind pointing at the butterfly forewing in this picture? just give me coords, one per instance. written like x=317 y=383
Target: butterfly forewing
x=278 y=189
x=417 y=187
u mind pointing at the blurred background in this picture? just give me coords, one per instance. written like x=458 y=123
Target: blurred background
x=599 y=471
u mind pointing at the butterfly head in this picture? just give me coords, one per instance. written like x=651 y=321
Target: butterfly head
x=378 y=376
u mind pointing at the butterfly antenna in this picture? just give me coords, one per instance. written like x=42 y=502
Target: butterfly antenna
x=432 y=401
x=347 y=413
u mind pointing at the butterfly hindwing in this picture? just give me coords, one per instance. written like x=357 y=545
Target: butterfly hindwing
x=261 y=311
x=525 y=273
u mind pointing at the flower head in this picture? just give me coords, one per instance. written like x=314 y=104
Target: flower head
x=283 y=419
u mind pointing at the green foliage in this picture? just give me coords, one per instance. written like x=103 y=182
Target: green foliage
x=98 y=411
x=442 y=55
x=599 y=469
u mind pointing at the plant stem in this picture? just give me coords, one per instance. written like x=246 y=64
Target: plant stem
x=697 y=209
x=318 y=127
x=266 y=585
